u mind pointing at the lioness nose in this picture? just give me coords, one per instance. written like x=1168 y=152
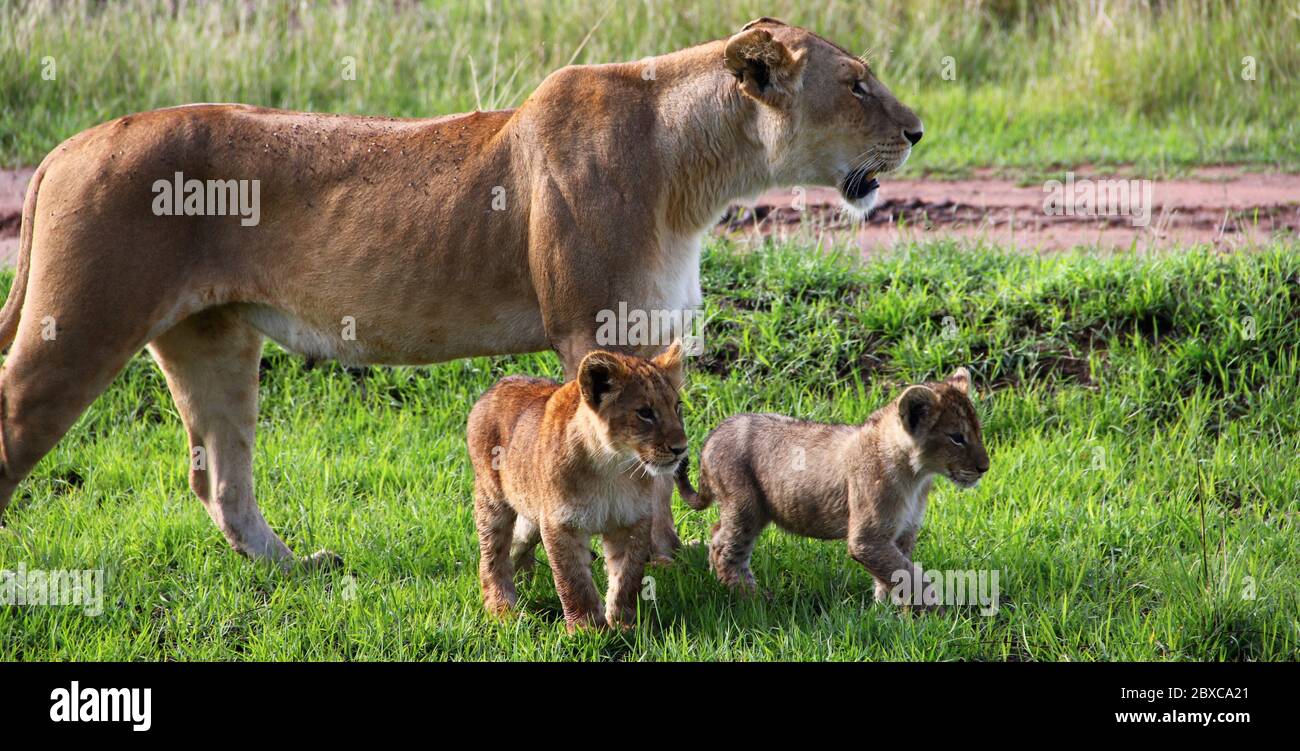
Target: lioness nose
x=913 y=135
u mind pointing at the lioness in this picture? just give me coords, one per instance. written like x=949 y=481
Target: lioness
x=866 y=483
x=379 y=240
x=586 y=458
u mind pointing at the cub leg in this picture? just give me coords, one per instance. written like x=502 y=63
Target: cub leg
x=906 y=542
x=626 y=550
x=882 y=557
x=566 y=547
x=210 y=361
x=733 y=545
x=495 y=520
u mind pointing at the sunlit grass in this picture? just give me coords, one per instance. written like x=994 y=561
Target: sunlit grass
x=1140 y=411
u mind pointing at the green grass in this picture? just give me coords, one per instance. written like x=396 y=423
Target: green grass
x=1036 y=82
x=1144 y=465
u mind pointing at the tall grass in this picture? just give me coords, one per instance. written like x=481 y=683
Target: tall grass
x=1158 y=83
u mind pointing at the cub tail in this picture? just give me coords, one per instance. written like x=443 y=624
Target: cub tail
x=696 y=500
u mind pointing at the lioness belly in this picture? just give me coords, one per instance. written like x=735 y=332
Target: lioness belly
x=510 y=328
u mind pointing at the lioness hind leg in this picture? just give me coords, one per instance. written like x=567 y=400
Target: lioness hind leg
x=210 y=361
x=69 y=346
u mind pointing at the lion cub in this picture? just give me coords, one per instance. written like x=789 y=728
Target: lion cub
x=563 y=463
x=865 y=483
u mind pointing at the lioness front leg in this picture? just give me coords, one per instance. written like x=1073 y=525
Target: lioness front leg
x=626 y=550
x=570 y=558
x=664 y=542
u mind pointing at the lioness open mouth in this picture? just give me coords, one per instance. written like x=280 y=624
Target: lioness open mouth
x=859 y=184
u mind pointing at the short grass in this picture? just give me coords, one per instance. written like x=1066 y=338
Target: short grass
x=1141 y=413
x=1010 y=84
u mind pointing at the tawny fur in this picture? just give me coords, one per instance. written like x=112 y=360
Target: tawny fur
x=867 y=484
x=560 y=464
x=479 y=234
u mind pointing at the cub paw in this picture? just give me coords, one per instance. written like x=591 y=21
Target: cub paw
x=321 y=560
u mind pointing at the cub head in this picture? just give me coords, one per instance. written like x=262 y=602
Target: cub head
x=825 y=119
x=634 y=400
x=942 y=422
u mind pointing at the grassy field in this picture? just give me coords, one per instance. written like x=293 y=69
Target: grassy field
x=1016 y=84
x=1140 y=413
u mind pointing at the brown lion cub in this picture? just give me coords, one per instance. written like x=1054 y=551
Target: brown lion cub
x=568 y=462
x=865 y=483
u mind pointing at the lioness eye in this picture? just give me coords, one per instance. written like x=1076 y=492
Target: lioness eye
x=859 y=89
x=957 y=438
x=646 y=413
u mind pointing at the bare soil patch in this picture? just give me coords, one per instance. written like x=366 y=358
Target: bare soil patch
x=1222 y=206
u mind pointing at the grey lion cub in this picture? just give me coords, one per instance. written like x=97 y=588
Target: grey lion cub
x=867 y=484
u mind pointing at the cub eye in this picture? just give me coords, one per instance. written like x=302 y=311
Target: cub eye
x=646 y=413
x=957 y=438
x=679 y=409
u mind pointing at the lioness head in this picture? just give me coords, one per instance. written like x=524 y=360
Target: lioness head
x=825 y=118
x=942 y=422
x=634 y=400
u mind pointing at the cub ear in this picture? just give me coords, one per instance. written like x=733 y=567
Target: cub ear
x=756 y=60
x=670 y=362
x=600 y=377
x=915 y=405
x=961 y=379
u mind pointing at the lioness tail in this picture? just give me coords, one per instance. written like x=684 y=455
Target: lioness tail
x=13 y=307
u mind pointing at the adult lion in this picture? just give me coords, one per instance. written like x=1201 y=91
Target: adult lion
x=406 y=241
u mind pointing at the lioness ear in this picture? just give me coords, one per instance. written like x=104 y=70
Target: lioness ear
x=961 y=379
x=600 y=377
x=670 y=362
x=915 y=405
x=756 y=59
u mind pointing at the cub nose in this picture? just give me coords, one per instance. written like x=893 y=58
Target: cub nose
x=678 y=450
x=913 y=135
x=983 y=466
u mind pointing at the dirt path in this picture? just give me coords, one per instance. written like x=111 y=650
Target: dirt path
x=1223 y=206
